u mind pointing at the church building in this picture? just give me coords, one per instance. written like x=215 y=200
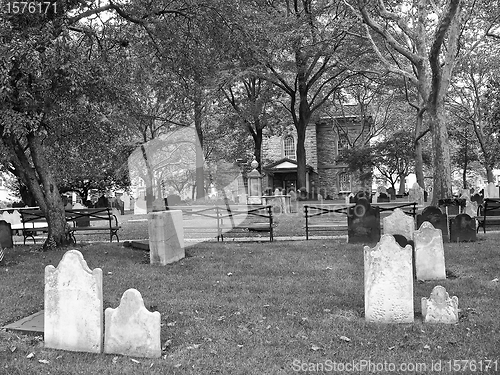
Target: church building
x=325 y=138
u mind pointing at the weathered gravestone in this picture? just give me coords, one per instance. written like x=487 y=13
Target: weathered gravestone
x=384 y=197
x=437 y=218
x=439 y=307
x=363 y=223
x=140 y=207
x=416 y=194
x=399 y=223
x=470 y=208
x=388 y=282
x=429 y=253
x=5 y=234
x=73 y=307
x=166 y=237
x=491 y=191
x=13 y=217
x=131 y=329
x=462 y=228
x=126 y=201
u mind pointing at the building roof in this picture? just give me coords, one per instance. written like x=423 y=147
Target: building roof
x=284 y=164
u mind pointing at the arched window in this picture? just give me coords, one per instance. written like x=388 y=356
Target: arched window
x=289 y=147
x=344 y=182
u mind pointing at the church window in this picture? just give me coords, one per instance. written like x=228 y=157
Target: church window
x=289 y=147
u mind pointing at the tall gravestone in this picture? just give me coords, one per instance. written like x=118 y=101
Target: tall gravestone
x=140 y=207
x=363 y=223
x=388 y=282
x=126 y=201
x=5 y=234
x=416 y=194
x=131 y=329
x=429 y=253
x=73 y=307
x=491 y=191
x=462 y=228
x=166 y=237
x=437 y=218
x=399 y=223
x=439 y=307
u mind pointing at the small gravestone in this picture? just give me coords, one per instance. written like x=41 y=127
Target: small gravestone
x=437 y=218
x=131 y=329
x=439 y=307
x=478 y=199
x=166 y=237
x=384 y=197
x=375 y=197
x=13 y=217
x=491 y=191
x=416 y=194
x=363 y=223
x=126 y=201
x=5 y=234
x=140 y=207
x=429 y=253
x=73 y=305
x=79 y=206
x=388 y=282
x=470 y=208
x=350 y=198
x=462 y=228
x=399 y=223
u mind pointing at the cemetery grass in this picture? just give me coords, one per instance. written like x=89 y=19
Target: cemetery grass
x=249 y=308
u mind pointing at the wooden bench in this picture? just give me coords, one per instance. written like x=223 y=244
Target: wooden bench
x=334 y=216
x=488 y=213
x=80 y=220
x=216 y=221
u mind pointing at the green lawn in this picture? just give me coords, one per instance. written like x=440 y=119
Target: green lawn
x=253 y=308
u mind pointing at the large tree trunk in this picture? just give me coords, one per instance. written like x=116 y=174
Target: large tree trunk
x=54 y=210
x=419 y=160
x=257 y=138
x=442 y=187
x=478 y=129
x=301 y=156
x=402 y=185
x=200 y=176
x=148 y=180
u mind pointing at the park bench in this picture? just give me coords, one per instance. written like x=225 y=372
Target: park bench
x=79 y=220
x=217 y=221
x=488 y=213
x=333 y=217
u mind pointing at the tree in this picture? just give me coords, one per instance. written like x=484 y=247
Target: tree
x=420 y=42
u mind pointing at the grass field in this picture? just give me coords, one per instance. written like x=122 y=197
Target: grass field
x=251 y=308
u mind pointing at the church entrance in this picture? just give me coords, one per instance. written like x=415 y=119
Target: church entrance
x=285 y=181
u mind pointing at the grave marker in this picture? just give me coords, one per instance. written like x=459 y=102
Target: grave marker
x=131 y=329
x=363 y=223
x=439 y=307
x=437 y=218
x=5 y=234
x=166 y=237
x=73 y=305
x=429 y=253
x=462 y=228
x=388 y=282
x=416 y=194
x=399 y=223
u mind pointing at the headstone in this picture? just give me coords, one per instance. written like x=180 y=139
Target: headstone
x=363 y=223
x=416 y=194
x=166 y=237
x=491 y=191
x=437 y=218
x=462 y=228
x=381 y=189
x=384 y=197
x=350 y=198
x=126 y=201
x=392 y=192
x=477 y=198
x=293 y=196
x=399 y=223
x=375 y=197
x=79 y=206
x=5 y=234
x=140 y=207
x=131 y=329
x=13 y=217
x=388 y=282
x=439 y=307
x=73 y=312
x=429 y=253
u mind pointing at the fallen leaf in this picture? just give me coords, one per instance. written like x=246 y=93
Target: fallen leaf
x=345 y=338
x=194 y=346
x=495 y=280
x=230 y=274
x=268 y=327
x=134 y=360
x=427 y=347
x=315 y=347
x=328 y=268
x=171 y=324
x=178 y=365
x=221 y=318
x=166 y=344
x=43 y=361
x=240 y=346
x=13 y=349
x=327 y=310
x=115 y=359
x=391 y=347
x=59 y=357
x=31 y=355
x=151 y=365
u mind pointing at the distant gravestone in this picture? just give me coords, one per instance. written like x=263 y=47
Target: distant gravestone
x=470 y=208
x=429 y=253
x=382 y=189
x=462 y=228
x=13 y=217
x=73 y=307
x=350 y=198
x=79 y=206
x=375 y=197
x=439 y=307
x=416 y=194
x=399 y=223
x=131 y=329
x=363 y=223
x=5 y=235
x=437 y=218
x=384 y=197
x=140 y=207
x=388 y=282
x=491 y=191
x=166 y=237
x=126 y=201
